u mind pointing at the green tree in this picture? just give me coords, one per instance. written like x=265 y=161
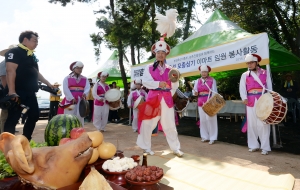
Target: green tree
x=278 y=18
x=130 y=24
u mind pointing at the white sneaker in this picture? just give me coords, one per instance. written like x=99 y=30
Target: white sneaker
x=148 y=151
x=178 y=153
x=264 y=152
x=211 y=142
x=253 y=149
x=102 y=130
x=203 y=140
x=134 y=130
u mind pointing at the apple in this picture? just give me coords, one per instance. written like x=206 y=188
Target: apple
x=64 y=141
x=76 y=132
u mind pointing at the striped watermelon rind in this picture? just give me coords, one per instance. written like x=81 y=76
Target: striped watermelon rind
x=60 y=127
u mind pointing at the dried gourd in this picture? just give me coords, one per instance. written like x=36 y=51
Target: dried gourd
x=94 y=180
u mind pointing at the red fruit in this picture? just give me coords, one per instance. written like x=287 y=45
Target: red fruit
x=76 y=132
x=64 y=141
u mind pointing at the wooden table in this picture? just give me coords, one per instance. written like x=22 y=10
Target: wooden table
x=15 y=184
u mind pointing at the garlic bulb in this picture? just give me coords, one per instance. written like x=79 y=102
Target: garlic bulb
x=94 y=180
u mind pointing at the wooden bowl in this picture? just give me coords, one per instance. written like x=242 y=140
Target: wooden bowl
x=116 y=177
x=144 y=185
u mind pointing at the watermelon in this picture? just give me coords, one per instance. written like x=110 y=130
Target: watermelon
x=60 y=127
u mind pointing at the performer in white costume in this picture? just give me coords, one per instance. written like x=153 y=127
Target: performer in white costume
x=159 y=105
x=75 y=87
x=208 y=125
x=133 y=96
x=101 y=107
x=250 y=91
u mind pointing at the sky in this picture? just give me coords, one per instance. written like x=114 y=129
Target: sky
x=63 y=34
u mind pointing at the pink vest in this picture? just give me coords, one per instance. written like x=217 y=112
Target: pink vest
x=101 y=93
x=203 y=88
x=76 y=89
x=135 y=95
x=161 y=93
x=252 y=84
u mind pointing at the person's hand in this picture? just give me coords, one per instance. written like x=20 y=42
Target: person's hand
x=245 y=101
x=101 y=99
x=83 y=96
x=129 y=106
x=74 y=101
x=196 y=93
x=16 y=99
x=162 y=84
x=51 y=86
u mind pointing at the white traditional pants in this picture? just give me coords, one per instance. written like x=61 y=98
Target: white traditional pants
x=75 y=112
x=168 y=124
x=100 y=116
x=257 y=129
x=135 y=119
x=208 y=126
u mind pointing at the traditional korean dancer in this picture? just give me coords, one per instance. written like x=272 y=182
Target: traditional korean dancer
x=101 y=107
x=209 y=125
x=75 y=87
x=131 y=101
x=250 y=91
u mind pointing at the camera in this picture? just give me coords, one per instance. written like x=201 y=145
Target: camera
x=7 y=103
x=47 y=88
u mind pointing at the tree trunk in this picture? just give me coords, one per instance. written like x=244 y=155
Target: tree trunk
x=138 y=54
x=286 y=32
x=122 y=69
x=153 y=39
x=191 y=4
x=132 y=54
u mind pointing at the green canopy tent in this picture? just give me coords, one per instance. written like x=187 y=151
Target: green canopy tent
x=113 y=68
x=222 y=44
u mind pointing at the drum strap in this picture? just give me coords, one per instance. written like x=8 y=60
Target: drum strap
x=210 y=90
x=103 y=86
x=255 y=77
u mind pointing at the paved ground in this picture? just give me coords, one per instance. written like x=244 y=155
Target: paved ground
x=121 y=135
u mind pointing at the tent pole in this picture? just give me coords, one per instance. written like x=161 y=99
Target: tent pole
x=129 y=123
x=275 y=145
x=269 y=86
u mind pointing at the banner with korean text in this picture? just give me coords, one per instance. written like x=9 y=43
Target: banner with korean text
x=228 y=56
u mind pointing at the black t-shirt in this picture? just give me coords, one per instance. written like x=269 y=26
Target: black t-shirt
x=27 y=70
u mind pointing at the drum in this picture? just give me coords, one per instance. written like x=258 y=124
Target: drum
x=84 y=108
x=271 y=108
x=180 y=101
x=174 y=75
x=113 y=97
x=214 y=105
x=138 y=101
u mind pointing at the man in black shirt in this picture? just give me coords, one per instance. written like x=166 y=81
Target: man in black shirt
x=22 y=79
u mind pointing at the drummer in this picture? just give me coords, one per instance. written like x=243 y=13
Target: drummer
x=159 y=100
x=208 y=125
x=75 y=88
x=101 y=108
x=131 y=101
x=250 y=92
